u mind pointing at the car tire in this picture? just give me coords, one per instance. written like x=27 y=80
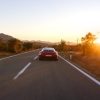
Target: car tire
x=40 y=59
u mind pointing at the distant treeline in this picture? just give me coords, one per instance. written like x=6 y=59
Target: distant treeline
x=87 y=46
x=17 y=46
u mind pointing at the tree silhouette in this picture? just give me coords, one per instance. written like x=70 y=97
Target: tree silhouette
x=27 y=45
x=2 y=45
x=15 y=45
x=87 y=42
x=62 y=46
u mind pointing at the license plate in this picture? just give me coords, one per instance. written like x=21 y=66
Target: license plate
x=48 y=55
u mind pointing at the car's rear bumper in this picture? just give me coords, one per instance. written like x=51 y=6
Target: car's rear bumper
x=48 y=57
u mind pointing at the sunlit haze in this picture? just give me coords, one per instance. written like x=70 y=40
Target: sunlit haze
x=49 y=20
x=97 y=41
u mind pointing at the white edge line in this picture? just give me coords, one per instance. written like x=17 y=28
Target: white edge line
x=17 y=55
x=22 y=71
x=84 y=73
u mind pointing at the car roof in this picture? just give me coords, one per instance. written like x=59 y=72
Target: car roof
x=48 y=48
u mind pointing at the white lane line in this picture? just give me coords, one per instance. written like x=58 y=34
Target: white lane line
x=22 y=71
x=17 y=54
x=35 y=57
x=81 y=71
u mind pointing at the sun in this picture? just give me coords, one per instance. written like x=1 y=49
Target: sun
x=97 y=41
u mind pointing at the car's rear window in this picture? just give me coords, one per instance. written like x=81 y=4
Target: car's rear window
x=48 y=50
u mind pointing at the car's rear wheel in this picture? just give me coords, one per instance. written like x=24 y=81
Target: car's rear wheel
x=56 y=59
x=40 y=58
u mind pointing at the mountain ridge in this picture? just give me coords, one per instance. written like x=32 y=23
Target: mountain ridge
x=5 y=37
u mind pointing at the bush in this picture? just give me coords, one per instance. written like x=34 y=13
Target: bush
x=15 y=45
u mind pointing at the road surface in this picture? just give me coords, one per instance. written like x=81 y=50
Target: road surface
x=24 y=77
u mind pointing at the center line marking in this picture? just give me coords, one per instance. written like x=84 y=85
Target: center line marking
x=35 y=57
x=22 y=71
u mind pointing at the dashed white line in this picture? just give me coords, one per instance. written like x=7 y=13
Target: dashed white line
x=22 y=71
x=81 y=71
x=35 y=57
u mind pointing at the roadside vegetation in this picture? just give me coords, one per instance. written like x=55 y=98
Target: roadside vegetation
x=86 y=54
x=14 y=46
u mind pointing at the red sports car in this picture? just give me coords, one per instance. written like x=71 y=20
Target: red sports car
x=48 y=53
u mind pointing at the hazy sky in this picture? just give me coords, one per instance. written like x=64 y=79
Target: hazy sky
x=49 y=20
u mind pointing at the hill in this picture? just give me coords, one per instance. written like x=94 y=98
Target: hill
x=5 y=37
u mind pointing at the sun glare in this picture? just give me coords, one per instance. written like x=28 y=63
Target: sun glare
x=97 y=41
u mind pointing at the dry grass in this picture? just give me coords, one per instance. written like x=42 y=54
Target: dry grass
x=5 y=54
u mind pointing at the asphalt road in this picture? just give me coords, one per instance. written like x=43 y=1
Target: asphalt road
x=24 y=77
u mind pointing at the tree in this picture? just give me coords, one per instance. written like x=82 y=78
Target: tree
x=62 y=46
x=15 y=45
x=0 y=42
x=2 y=45
x=27 y=45
x=87 y=43
x=90 y=38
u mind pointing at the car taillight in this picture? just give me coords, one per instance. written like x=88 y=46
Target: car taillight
x=54 y=53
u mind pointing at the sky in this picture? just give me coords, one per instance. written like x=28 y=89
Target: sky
x=49 y=20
